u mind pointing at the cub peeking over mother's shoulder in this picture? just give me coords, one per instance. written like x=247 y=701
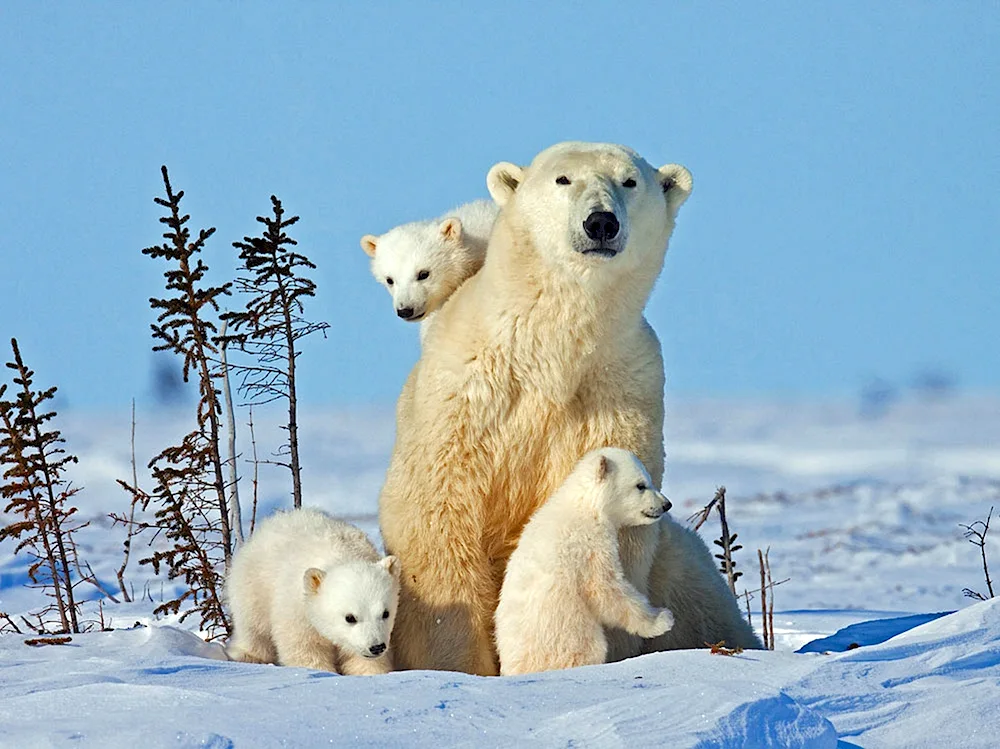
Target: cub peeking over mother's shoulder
x=309 y=590
x=421 y=263
x=565 y=582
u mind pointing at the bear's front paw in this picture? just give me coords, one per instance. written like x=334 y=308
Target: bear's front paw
x=663 y=622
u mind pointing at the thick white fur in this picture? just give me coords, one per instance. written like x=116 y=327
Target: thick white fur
x=540 y=357
x=686 y=579
x=564 y=582
x=294 y=583
x=450 y=249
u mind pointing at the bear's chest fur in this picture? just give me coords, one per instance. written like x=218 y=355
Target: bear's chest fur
x=531 y=429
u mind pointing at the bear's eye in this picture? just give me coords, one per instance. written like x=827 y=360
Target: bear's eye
x=388 y=280
x=423 y=275
x=385 y=614
x=628 y=183
x=351 y=619
x=641 y=486
x=562 y=180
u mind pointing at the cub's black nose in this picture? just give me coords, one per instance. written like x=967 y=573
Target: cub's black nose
x=405 y=312
x=377 y=649
x=666 y=505
x=601 y=226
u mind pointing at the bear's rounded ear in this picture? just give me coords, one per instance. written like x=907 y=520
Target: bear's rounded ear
x=311 y=580
x=368 y=242
x=603 y=468
x=503 y=180
x=451 y=229
x=391 y=565
x=675 y=181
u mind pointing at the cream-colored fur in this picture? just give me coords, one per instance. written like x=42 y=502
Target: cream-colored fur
x=686 y=580
x=421 y=263
x=296 y=583
x=537 y=359
x=564 y=582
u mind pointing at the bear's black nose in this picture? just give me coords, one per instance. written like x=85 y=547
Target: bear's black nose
x=377 y=649
x=666 y=505
x=601 y=226
x=405 y=312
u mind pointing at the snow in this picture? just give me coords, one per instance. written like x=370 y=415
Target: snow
x=160 y=686
x=862 y=514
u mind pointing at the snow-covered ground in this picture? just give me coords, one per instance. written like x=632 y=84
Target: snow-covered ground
x=862 y=514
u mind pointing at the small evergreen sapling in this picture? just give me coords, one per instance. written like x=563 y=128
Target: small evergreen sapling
x=34 y=488
x=190 y=490
x=272 y=323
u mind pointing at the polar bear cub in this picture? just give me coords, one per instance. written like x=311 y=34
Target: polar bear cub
x=565 y=583
x=310 y=590
x=422 y=263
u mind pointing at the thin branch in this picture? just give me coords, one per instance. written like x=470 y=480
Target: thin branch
x=976 y=535
x=763 y=598
x=10 y=623
x=235 y=515
x=766 y=602
x=256 y=471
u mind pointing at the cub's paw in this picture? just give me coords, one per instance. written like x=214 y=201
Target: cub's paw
x=663 y=622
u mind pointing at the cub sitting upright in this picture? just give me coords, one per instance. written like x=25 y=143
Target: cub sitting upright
x=564 y=582
x=422 y=263
x=309 y=590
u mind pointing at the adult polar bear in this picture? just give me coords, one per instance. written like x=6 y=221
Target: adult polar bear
x=541 y=357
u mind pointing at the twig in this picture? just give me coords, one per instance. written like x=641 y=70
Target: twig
x=766 y=604
x=100 y=611
x=10 y=623
x=763 y=598
x=130 y=529
x=90 y=577
x=770 y=600
x=726 y=541
x=719 y=648
x=39 y=641
x=235 y=515
x=256 y=472
x=704 y=513
x=978 y=538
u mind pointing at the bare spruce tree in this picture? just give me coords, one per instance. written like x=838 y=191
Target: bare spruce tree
x=272 y=323
x=34 y=488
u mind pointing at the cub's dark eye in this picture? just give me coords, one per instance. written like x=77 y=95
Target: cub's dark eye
x=641 y=487
x=562 y=180
x=389 y=281
x=385 y=614
x=628 y=183
x=423 y=275
x=351 y=619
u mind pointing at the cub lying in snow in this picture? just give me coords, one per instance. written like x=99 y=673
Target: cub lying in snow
x=564 y=582
x=422 y=263
x=309 y=590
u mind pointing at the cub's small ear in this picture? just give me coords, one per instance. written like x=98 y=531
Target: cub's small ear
x=502 y=180
x=368 y=242
x=603 y=468
x=676 y=182
x=391 y=565
x=451 y=229
x=311 y=580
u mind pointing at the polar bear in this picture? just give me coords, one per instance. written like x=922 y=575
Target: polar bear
x=564 y=582
x=685 y=579
x=422 y=263
x=310 y=590
x=537 y=359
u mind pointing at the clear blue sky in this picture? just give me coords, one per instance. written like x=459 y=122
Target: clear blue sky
x=844 y=222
